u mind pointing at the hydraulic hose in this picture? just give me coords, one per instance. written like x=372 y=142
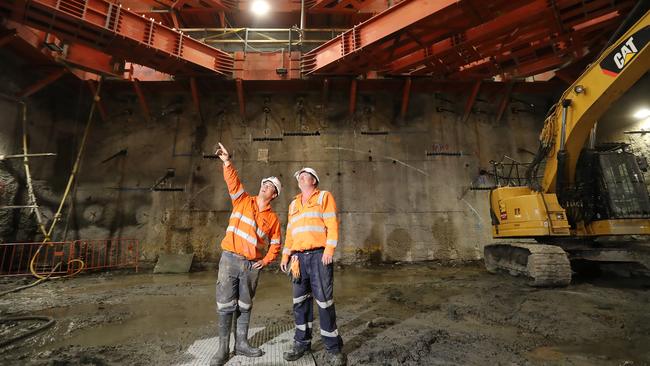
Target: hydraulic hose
x=48 y=323
x=68 y=187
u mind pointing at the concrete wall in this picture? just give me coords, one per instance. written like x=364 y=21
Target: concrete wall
x=395 y=202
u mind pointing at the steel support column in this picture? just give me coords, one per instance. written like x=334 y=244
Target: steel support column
x=471 y=100
x=141 y=99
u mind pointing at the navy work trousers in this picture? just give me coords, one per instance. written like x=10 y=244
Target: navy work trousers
x=317 y=281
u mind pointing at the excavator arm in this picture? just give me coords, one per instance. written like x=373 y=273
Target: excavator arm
x=554 y=212
x=567 y=128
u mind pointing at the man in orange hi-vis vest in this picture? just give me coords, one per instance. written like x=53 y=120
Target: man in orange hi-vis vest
x=252 y=223
x=312 y=236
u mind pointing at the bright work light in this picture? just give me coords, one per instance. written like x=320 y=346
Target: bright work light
x=642 y=113
x=260 y=7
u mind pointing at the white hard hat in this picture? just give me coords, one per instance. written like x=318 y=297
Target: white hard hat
x=307 y=170
x=276 y=183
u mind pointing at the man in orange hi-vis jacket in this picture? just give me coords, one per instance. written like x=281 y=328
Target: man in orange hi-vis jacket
x=312 y=236
x=252 y=223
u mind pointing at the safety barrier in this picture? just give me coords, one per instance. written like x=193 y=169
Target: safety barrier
x=96 y=254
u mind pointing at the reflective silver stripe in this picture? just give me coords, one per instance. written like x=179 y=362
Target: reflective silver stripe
x=331 y=242
x=249 y=221
x=243 y=235
x=236 y=195
x=293 y=203
x=261 y=234
x=298 y=300
x=325 y=304
x=320 y=197
x=226 y=305
x=275 y=241
x=246 y=219
x=286 y=251
x=329 y=215
x=304 y=327
x=317 y=215
x=303 y=229
x=325 y=333
x=244 y=305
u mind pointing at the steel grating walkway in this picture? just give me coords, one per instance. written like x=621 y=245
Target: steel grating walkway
x=272 y=340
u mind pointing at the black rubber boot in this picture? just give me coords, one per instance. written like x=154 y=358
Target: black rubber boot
x=296 y=352
x=224 y=327
x=241 y=337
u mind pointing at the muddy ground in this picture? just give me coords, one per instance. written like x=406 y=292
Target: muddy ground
x=424 y=314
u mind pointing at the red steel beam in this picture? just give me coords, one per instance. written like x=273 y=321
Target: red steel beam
x=347 y=6
x=475 y=35
x=143 y=73
x=175 y=21
x=112 y=29
x=265 y=65
x=534 y=45
x=73 y=55
x=100 y=105
x=371 y=32
x=456 y=32
x=495 y=37
x=89 y=59
x=42 y=83
x=206 y=6
x=471 y=99
x=141 y=99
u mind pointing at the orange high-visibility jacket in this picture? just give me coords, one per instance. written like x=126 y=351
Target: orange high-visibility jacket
x=249 y=229
x=313 y=225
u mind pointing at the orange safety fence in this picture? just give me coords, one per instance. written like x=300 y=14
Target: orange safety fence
x=96 y=254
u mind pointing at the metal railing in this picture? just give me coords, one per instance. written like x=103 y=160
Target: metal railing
x=509 y=172
x=263 y=39
x=98 y=254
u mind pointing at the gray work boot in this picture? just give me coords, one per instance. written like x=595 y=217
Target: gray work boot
x=296 y=352
x=224 y=327
x=337 y=358
x=241 y=337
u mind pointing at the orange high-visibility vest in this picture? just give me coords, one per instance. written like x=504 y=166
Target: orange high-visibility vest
x=313 y=225
x=248 y=228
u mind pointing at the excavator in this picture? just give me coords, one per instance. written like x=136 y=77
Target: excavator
x=591 y=202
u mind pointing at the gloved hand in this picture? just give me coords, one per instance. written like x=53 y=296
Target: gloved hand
x=294 y=269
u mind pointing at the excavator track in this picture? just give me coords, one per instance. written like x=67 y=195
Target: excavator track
x=546 y=265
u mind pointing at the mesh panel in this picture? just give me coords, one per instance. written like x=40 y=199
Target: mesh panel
x=623 y=190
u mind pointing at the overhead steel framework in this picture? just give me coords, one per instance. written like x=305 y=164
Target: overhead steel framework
x=440 y=39
x=468 y=40
x=110 y=28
